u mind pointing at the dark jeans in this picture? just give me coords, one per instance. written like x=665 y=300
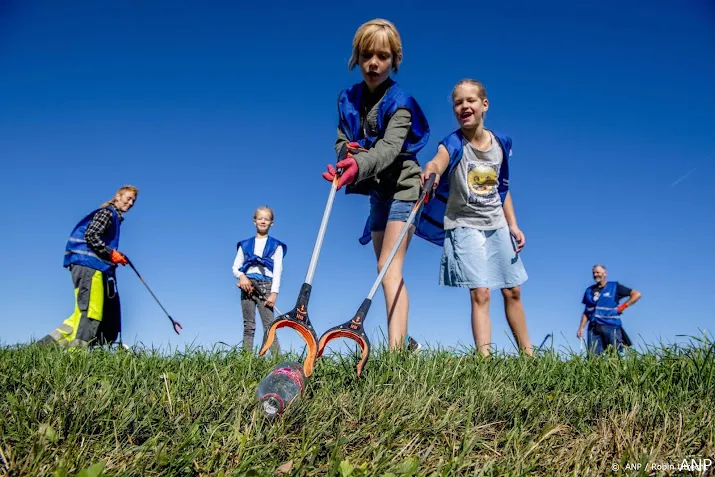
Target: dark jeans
x=600 y=336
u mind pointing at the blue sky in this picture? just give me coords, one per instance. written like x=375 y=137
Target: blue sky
x=212 y=109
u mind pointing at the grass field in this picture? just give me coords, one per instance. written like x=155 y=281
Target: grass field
x=194 y=413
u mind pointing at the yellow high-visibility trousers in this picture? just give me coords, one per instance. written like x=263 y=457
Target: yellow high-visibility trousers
x=96 y=318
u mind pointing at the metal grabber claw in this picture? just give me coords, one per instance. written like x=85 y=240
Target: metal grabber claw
x=353 y=329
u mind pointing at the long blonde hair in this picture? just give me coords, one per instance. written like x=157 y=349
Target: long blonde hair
x=126 y=188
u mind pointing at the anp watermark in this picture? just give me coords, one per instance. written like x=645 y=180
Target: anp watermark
x=693 y=464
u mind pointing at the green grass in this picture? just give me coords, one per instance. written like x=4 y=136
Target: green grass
x=438 y=413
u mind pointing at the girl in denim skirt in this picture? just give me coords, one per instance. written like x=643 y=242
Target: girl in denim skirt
x=482 y=240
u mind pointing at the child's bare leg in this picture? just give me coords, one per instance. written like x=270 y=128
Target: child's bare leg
x=393 y=285
x=516 y=317
x=481 y=324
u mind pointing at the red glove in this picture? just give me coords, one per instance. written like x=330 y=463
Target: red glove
x=118 y=258
x=349 y=174
x=622 y=307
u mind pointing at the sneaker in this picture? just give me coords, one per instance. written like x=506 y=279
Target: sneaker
x=413 y=345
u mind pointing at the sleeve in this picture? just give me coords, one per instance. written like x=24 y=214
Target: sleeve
x=385 y=150
x=341 y=141
x=277 y=270
x=622 y=292
x=584 y=301
x=95 y=230
x=237 y=263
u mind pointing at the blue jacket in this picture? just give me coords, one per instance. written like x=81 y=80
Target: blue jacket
x=603 y=310
x=430 y=225
x=79 y=253
x=394 y=98
x=250 y=259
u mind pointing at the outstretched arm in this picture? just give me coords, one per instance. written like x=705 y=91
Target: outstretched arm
x=437 y=165
x=384 y=152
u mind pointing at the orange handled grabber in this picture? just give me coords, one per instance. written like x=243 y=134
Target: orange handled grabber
x=298 y=318
x=353 y=329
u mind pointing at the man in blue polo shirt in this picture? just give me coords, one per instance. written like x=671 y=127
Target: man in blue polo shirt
x=603 y=312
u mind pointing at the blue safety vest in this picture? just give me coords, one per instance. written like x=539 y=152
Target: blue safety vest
x=77 y=251
x=430 y=225
x=250 y=259
x=604 y=308
x=394 y=98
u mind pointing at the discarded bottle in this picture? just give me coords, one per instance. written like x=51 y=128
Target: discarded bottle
x=283 y=385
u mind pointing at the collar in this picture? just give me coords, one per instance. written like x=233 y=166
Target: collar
x=120 y=215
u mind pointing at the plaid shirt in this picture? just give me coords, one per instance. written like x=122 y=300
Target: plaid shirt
x=100 y=224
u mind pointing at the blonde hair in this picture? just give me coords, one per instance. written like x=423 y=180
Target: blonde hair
x=482 y=90
x=266 y=208
x=126 y=188
x=372 y=32
x=472 y=82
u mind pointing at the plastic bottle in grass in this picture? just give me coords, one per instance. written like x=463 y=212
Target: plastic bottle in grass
x=283 y=386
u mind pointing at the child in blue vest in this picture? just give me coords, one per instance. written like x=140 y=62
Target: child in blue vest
x=92 y=257
x=472 y=216
x=381 y=128
x=258 y=266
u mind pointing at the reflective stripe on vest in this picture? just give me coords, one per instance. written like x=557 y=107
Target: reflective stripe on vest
x=599 y=313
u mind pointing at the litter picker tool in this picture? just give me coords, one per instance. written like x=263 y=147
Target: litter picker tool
x=298 y=318
x=354 y=329
x=261 y=296
x=177 y=326
x=546 y=338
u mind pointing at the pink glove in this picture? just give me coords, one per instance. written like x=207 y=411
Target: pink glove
x=349 y=174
